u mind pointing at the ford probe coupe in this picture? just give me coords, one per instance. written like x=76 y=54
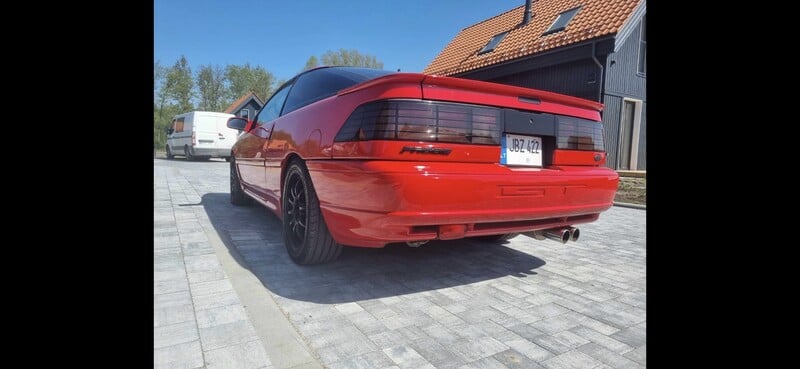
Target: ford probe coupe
x=364 y=157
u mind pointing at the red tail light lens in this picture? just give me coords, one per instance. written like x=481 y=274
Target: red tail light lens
x=411 y=120
x=579 y=134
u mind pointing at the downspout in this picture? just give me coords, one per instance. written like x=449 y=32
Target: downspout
x=601 y=82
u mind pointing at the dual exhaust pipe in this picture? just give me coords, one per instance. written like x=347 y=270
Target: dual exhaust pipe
x=562 y=235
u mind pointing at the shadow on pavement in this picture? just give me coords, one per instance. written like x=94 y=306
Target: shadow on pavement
x=359 y=273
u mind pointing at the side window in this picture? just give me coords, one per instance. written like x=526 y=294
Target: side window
x=317 y=85
x=179 y=124
x=272 y=109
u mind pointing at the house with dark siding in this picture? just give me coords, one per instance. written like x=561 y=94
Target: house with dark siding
x=246 y=106
x=593 y=49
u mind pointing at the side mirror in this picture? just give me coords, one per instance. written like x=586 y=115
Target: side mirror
x=169 y=131
x=237 y=123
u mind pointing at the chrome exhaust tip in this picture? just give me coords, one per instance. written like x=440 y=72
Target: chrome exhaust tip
x=575 y=232
x=561 y=235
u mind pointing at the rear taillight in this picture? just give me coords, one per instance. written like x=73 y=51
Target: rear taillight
x=411 y=120
x=194 y=139
x=579 y=134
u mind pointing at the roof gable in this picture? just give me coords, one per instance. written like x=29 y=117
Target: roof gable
x=596 y=18
x=630 y=25
x=242 y=101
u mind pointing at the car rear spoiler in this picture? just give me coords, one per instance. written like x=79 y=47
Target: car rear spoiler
x=488 y=93
x=509 y=90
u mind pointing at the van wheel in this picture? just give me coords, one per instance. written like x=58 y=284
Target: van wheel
x=238 y=197
x=305 y=233
x=188 y=153
x=169 y=153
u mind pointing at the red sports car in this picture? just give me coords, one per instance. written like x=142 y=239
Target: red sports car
x=364 y=157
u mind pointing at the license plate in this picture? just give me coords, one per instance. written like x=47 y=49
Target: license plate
x=521 y=150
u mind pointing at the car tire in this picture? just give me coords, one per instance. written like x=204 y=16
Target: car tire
x=238 y=197
x=188 y=153
x=496 y=238
x=305 y=233
x=169 y=153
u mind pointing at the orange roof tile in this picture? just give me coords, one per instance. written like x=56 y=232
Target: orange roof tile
x=240 y=101
x=595 y=19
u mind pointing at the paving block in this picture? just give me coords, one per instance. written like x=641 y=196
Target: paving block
x=248 y=355
x=407 y=357
x=572 y=360
x=187 y=355
x=227 y=334
x=608 y=357
x=220 y=315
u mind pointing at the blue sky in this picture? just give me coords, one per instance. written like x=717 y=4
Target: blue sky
x=282 y=35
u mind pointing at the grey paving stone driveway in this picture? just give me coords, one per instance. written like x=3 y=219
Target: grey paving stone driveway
x=458 y=304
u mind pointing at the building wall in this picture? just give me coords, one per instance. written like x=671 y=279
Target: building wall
x=252 y=105
x=578 y=78
x=612 y=119
x=254 y=108
x=621 y=69
x=622 y=81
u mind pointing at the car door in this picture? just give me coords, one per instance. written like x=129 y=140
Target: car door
x=251 y=147
x=306 y=88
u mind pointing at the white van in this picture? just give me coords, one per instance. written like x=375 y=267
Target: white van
x=201 y=134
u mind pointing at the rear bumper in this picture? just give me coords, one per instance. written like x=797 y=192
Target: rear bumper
x=372 y=203
x=212 y=152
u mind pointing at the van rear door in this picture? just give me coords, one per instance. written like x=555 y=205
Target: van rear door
x=205 y=131
x=226 y=136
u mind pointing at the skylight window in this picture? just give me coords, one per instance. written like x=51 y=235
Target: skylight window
x=561 y=22
x=493 y=43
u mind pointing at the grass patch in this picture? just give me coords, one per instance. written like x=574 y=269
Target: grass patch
x=632 y=190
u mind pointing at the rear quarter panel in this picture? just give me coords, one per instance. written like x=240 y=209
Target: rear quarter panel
x=309 y=131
